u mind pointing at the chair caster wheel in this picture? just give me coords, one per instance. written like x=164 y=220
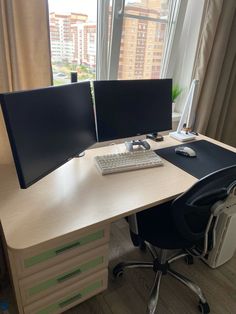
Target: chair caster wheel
x=118 y=271
x=189 y=260
x=204 y=307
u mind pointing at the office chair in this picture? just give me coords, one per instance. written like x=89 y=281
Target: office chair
x=187 y=223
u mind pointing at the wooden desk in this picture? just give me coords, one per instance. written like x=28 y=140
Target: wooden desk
x=63 y=220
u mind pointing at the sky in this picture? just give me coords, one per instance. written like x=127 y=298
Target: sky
x=77 y=4
x=88 y=7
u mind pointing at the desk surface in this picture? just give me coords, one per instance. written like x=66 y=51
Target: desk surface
x=76 y=196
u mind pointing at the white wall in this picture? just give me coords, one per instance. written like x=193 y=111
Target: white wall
x=186 y=49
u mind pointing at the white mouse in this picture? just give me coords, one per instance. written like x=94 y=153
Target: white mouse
x=185 y=151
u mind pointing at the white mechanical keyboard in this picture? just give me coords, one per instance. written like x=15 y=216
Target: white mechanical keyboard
x=127 y=161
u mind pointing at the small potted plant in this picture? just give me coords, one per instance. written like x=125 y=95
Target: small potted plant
x=176 y=91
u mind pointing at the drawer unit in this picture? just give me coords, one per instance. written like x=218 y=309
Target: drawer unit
x=68 y=297
x=56 y=251
x=59 y=276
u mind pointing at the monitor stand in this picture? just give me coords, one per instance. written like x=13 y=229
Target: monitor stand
x=131 y=144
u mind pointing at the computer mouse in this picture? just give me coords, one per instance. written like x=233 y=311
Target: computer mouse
x=185 y=151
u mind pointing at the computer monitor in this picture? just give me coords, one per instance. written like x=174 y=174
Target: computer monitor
x=128 y=108
x=47 y=127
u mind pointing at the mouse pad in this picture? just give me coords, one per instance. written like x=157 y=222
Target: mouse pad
x=210 y=157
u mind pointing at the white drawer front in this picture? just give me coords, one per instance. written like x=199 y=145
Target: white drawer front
x=57 y=277
x=34 y=259
x=70 y=296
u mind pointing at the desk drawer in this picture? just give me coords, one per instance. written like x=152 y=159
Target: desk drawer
x=70 y=296
x=53 y=252
x=58 y=277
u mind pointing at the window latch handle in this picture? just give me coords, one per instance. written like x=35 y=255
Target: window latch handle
x=121 y=11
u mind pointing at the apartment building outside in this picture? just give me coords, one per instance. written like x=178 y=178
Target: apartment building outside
x=66 y=32
x=73 y=40
x=89 y=40
x=142 y=41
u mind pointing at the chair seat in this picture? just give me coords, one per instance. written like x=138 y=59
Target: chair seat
x=156 y=226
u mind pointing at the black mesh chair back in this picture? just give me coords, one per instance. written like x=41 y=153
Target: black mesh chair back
x=191 y=210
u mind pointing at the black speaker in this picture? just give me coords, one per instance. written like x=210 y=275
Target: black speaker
x=73 y=77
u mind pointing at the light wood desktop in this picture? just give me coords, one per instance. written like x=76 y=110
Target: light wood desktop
x=56 y=232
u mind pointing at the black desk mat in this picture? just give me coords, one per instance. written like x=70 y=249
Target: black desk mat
x=210 y=157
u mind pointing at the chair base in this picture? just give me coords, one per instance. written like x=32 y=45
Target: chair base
x=161 y=266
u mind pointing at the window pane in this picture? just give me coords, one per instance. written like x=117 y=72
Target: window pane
x=150 y=8
x=142 y=41
x=73 y=39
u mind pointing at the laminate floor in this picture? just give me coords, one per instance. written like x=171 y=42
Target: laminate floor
x=129 y=294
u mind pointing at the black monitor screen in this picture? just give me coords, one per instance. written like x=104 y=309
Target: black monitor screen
x=132 y=107
x=47 y=127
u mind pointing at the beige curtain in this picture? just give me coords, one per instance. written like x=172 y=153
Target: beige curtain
x=215 y=67
x=25 y=61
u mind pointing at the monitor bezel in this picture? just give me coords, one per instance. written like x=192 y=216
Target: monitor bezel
x=133 y=134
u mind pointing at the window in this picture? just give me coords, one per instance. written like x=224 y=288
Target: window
x=121 y=39
x=73 y=26
x=147 y=16
x=155 y=22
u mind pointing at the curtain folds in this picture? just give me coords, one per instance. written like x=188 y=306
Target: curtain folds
x=215 y=67
x=24 y=52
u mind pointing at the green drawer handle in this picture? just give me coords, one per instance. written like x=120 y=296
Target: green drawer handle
x=50 y=282
x=68 y=276
x=46 y=255
x=74 y=298
x=52 y=308
x=68 y=247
